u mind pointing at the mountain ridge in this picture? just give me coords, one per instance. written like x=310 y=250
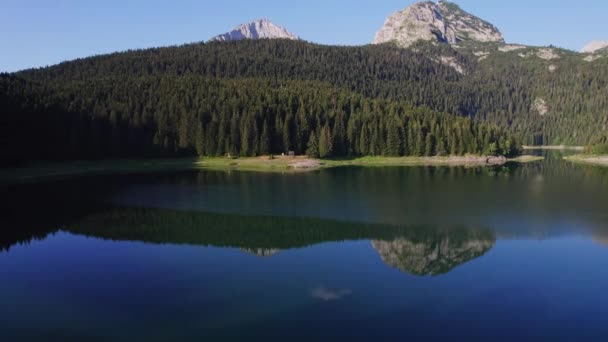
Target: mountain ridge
x=257 y=29
x=443 y=22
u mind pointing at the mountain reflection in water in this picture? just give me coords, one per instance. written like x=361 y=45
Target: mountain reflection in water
x=419 y=250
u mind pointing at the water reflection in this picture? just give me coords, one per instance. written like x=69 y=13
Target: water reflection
x=261 y=252
x=419 y=250
x=409 y=214
x=216 y=256
x=543 y=195
x=437 y=253
x=326 y=295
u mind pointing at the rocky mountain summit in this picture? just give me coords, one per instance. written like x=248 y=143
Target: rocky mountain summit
x=443 y=22
x=595 y=46
x=258 y=29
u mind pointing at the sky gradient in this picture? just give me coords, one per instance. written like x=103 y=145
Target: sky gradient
x=36 y=33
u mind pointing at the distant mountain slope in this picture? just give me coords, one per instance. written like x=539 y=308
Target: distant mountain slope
x=443 y=22
x=595 y=46
x=258 y=29
x=490 y=82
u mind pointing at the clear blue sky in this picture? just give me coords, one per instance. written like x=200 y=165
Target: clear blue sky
x=43 y=32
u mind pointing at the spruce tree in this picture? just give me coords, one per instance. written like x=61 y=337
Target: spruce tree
x=325 y=142
x=200 y=142
x=287 y=144
x=363 y=141
x=428 y=145
x=312 y=149
x=339 y=135
x=393 y=140
x=265 y=140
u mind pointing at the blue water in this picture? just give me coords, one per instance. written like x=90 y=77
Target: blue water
x=524 y=261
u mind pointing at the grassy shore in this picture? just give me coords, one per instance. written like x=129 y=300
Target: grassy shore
x=423 y=161
x=42 y=171
x=526 y=159
x=601 y=160
x=555 y=147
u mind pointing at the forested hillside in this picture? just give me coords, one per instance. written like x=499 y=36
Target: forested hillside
x=155 y=116
x=273 y=96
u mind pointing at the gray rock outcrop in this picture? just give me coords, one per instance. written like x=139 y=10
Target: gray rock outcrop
x=259 y=29
x=596 y=46
x=443 y=22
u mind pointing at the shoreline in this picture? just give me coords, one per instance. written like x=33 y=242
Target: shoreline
x=279 y=164
x=554 y=147
x=431 y=161
x=591 y=159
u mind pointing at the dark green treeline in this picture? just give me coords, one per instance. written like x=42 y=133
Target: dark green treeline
x=184 y=115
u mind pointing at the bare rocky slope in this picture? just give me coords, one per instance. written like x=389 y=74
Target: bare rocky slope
x=595 y=46
x=258 y=29
x=443 y=22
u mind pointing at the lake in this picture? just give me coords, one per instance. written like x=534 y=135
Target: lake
x=518 y=252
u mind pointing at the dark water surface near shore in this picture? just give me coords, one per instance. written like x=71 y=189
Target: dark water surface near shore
x=518 y=252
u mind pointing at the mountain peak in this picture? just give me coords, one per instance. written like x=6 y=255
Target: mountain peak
x=595 y=46
x=444 y=22
x=257 y=29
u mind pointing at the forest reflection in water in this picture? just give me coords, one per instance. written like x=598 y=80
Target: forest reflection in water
x=421 y=220
x=419 y=250
x=236 y=255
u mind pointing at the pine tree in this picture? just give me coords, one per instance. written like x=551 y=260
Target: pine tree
x=265 y=140
x=287 y=144
x=211 y=139
x=363 y=141
x=325 y=142
x=183 y=132
x=419 y=143
x=312 y=150
x=339 y=135
x=246 y=138
x=441 y=149
x=491 y=149
x=428 y=145
x=255 y=142
x=393 y=140
x=374 y=145
x=221 y=138
x=235 y=136
x=200 y=142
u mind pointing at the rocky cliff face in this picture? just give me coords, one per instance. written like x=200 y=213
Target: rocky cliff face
x=259 y=29
x=596 y=46
x=443 y=22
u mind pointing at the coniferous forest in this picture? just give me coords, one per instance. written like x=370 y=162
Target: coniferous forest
x=252 y=98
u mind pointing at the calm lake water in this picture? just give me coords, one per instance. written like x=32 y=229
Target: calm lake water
x=510 y=253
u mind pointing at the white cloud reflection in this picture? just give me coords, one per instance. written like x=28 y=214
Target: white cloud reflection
x=326 y=295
